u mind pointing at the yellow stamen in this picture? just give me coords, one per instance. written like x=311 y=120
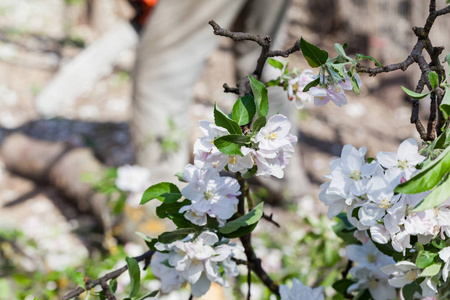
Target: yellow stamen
x=232 y=160
x=355 y=175
x=411 y=275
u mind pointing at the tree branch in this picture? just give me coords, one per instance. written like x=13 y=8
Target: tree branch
x=114 y=274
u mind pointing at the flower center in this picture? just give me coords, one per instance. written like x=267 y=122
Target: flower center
x=403 y=164
x=337 y=89
x=295 y=86
x=208 y=195
x=232 y=160
x=355 y=175
x=373 y=284
x=321 y=97
x=371 y=258
x=273 y=135
x=411 y=275
x=385 y=204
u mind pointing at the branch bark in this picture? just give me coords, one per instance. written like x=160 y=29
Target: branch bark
x=102 y=281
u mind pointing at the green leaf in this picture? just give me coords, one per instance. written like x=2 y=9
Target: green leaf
x=258 y=124
x=181 y=221
x=135 y=276
x=113 y=285
x=250 y=172
x=152 y=294
x=167 y=209
x=363 y=295
x=313 y=54
x=445 y=104
x=342 y=285
x=143 y=236
x=251 y=218
x=434 y=79
x=354 y=84
x=425 y=259
x=438 y=196
x=244 y=109
x=164 y=191
x=334 y=75
x=447 y=57
x=176 y=235
x=231 y=144
x=428 y=177
x=261 y=96
x=361 y=57
x=241 y=232
x=414 y=95
x=274 y=82
x=275 y=63
x=221 y=120
x=78 y=278
x=313 y=83
x=347 y=235
x=431 y=270
x=410 y=289
x=340 y=50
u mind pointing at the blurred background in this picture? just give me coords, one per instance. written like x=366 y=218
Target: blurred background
x=60 y=210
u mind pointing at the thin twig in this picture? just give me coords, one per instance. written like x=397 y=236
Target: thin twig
x=114 y=274
x=270 y=219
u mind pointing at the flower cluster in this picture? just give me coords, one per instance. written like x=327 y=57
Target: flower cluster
x=195 y=261
x=328 y=90
x=365 y=189
x=208 y=195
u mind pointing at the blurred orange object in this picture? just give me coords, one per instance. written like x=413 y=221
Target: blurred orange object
x=143 y=9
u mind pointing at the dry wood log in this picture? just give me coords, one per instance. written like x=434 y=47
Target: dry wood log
x=62 y=166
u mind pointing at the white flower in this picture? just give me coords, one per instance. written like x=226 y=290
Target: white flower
x=133 y=178
x=300 y=292
x=275 y=134
x=207 y=155
x=237 y=163
x=170 y=278
x=209 y=195
x=444 y=254
x=367 y=256
x=296 y=86
x=404 y=161
x=374 y=280
x=402 y=273
x=196 y=262
x=335 y=201
x=272 y=163
x=350 y=174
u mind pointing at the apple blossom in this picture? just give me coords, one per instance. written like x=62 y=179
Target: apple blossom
x=404 y=161
x=194 y=261
x=299 y=292
x=296 y=86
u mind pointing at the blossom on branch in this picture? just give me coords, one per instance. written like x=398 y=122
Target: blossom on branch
x=209 y=194
x=296 y=86
x=195 y=261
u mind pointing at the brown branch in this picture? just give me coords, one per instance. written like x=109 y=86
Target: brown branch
x=285 y=53
x=105 y=288
x=389 y=68
x=270 y=219
x=228 y=89
x=431 y=127
x=114 y=274
x=253 y=262
x=238 y=36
